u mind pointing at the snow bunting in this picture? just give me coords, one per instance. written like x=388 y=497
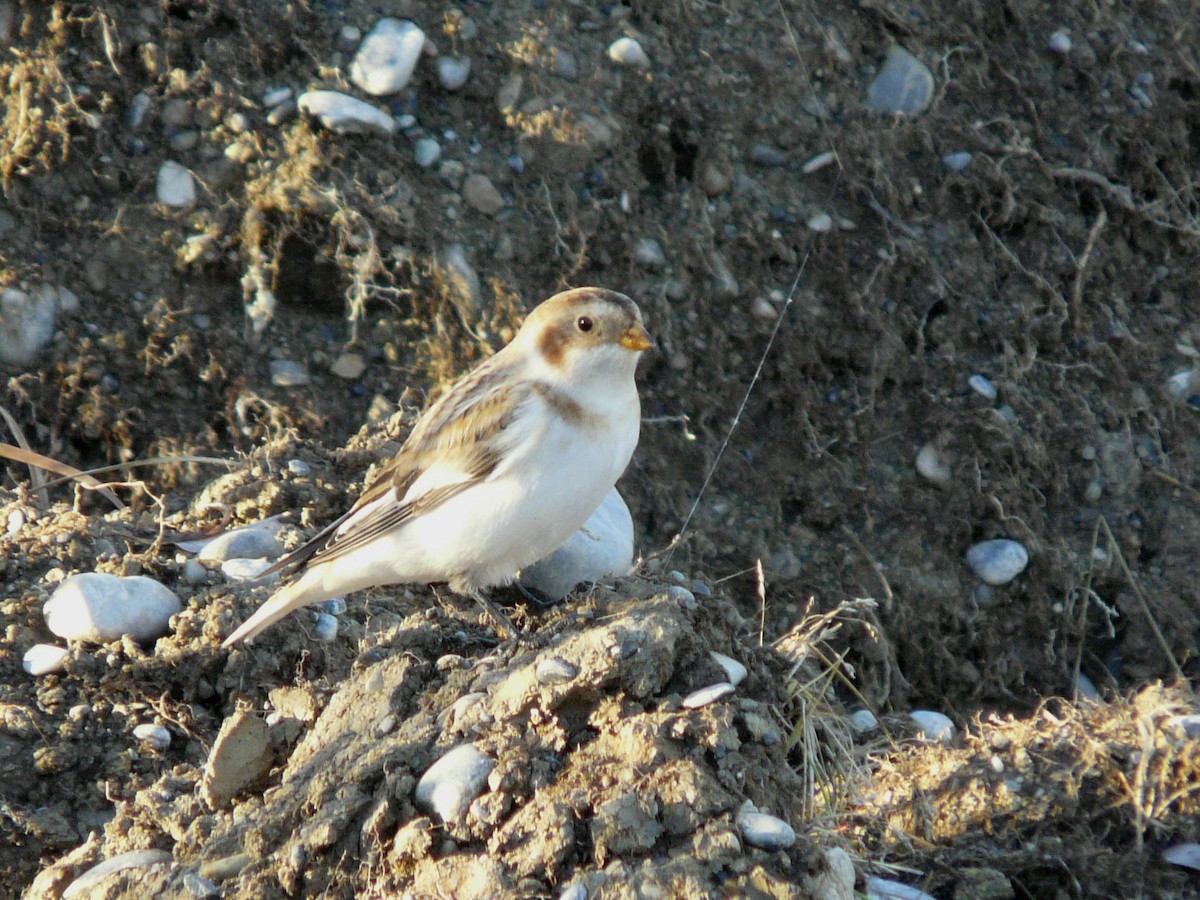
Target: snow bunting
x=499 y=472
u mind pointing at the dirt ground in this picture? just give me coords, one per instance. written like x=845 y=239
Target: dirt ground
x=1059 y=264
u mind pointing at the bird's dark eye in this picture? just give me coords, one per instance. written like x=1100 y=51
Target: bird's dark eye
x=584 y=323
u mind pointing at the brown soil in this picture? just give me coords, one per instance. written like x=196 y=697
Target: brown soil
x=1060 y=264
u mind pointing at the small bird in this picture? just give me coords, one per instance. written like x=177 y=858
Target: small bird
x=496 y=474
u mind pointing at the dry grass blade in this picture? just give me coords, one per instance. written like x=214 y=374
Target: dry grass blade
x=36 y=462
x=149 y=461
x=35 y=474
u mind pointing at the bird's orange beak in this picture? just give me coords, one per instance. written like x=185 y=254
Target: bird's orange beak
x=636 y=338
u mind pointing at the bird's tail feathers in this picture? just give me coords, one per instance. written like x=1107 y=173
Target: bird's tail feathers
x=289 y=597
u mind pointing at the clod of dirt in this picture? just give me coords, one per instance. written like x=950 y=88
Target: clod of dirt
x=240 y=756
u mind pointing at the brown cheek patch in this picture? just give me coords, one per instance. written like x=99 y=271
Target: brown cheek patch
x=553 y=345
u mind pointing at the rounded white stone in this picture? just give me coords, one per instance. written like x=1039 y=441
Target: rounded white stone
x=1060 y=42
x=97 y=607
x=628 y=52
x=426 y=152
x=27 y=324
x=554 y=671
x=821 y=223
x=326 y=627
x=956 y=162
x=819 y=162
x=863 y=720
x=882 y=889
x=385 y=61
x=345 y=114
x=155 y=735
x=44 y=659
x=983 y=386
x=258 y=539
x=734 y=670
x=904 y=85
x=601 y=548
x=453 y=71
x=933 y=466
x=764 y=831
x=175 y=185
x=933 y=725
x=450 y=784
x=998 y=561
x=707 y=695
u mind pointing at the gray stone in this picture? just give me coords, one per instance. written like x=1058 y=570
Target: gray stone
x=385 y=61
x=175 y=186
x=344 y=114
x=256 y=540
x=450 y=785
x=903 y=86
x=97 y=607
x=998 y=561
x=601 y=548
x=44 y=659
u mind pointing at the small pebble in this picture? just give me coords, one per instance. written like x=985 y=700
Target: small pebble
x=1060 y=43
x=27 y=324
x=175 y=186
x=194 y=572
x=326 y=627
x=903 y=86
x=385 y=61
x=276 y=96
x=281 y=113
x=1085 y=689
x=933 y=725
x=555 y=671
x=576 y=890
x=863 y=720
x=98 y=607
x=481 y=194
x=133 y=859
x=426 y=151
x=734 y=670
x=818 y=162
x=882 y=889
x=450 y=785
x=1181 y=385
x=682 y=596
x=933 y=466
x=648 y=252
x=820 y=223
x=288 y=373
x=707 y=695
x=998 y=561
x=566 y=66
x=956 y=162
x=628 y=52
x=452 y=71
x=334 y=606
x=16 y=521
x=246 y=569
x=344 y=114
x=255 y=540
x=764 y=831
x=768 y=156
x=1186 y=855
x=983 y=386
x=299 y=468
x=44 y=659
x=349 y=366
x=155 y=735
x=138 y=109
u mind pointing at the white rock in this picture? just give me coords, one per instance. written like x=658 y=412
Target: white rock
x=554 y=671
x=933 y=725
x=325 y=628
x=254 y=540
x=821 y=223
x=576 y=890
x=933 y=466
x=602 y=547
x=882 y=889
x=983 y=386
x=863 y=720
x=335 y=606
x=194 y=572
x=133 y=859
x=175 y=186
x=1060 y=42
x=97 y=607
x=345 y=114
x=453 y=71
x=837 y=881
x=904 y=85
x=956 y=162
x=155 y=735
x=649 y=253
x=426 y=152
x=385 y=61
x=999 y=561
x=1181 y=385
x=44 y=659
x=239 y=569
x=289 y=373
x=299 y=468
x=1085 y=689
x=761 y=830
x=819 y=162
x=1186 y=855
x=450 y=784
x=734 y=670
x=707 y=695
x=26 y=324
x=628 y=52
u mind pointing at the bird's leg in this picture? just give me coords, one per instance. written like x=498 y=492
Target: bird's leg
x=501 y=622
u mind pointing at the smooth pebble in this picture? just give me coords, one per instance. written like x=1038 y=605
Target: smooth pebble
x=903 y=86
x=155 y=735
x=933 y=466
x=765 y=831
x=27 y=324
x=426 y=152
x=574 y=891
x=768 y=156
x=481 y=194
x=257 y=539
x=1181 y=384
x=44 y=659
x=450 y=785
x=734 y=670
x=1186 y=855
x=98 y=607
x=819 y=162
x=998 y=561
x=983 y=386
x=1060 y=43
x=883 y=889
x=956 y=162
x=628 y=52
x=603 y=547
x=133 y=859
x=682 y=596
x=275 y=96
x=245 y=569
x=863 y=720
x=1085 y=689
x=707 y=695
x=821 y=223
x=649 y=253
x=453 y=71
x=344 y=114
x=299 y=468
x=934 y=725
x=387 y=56
x=194 y=572
x=325 y=628
x=554 y=671
x=175 y=186
x=289 y=373
x=335 y=606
